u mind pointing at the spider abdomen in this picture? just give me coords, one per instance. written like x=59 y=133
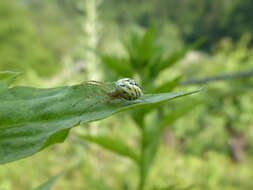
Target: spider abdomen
x=128 y=89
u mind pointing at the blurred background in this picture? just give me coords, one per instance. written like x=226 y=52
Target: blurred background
x=166 y=45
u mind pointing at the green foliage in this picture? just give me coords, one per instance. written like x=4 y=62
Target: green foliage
x=172 y=147
x=114 y=145
x=146 y=59
x=48 y=184
x=20 y=47
x=96 y=184
x=238 y=20
x=226 y=113
x=213 y=19
x=33 y=118
x=174 y=187
x=56 y=23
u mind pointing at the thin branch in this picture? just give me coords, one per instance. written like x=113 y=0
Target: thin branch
x=218 y=78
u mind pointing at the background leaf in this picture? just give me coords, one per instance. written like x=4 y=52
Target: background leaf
x=114 y=145
x=48 y=185
x=120 y=66
x=168 y=86
x=96 y=184
x=175 y=187
x=7 y=77
x=178 y=112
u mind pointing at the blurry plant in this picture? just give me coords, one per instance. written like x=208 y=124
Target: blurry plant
x=145 y=60
x=48 y=184
x=80 y=64
x=20 y=49
x=213 y=19
x=56 y=24
x=91 y=27
x=228 y=104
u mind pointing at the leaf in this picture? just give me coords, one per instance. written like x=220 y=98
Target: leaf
x=8 y=77
x=178 y=112
x=175 y=187
x=48 y=185
x=119 y=66
x=174 y=57
x=147 y=47
x=153 y=137
x=96 y=184
x=131 y=45
x=153 y=134
x=142 y=49
x=114 y=145
x=168 y=86
x=34 y=118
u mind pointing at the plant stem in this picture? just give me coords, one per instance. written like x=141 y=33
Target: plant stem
x=142 y=172
x=148 y=151
x=226 y=76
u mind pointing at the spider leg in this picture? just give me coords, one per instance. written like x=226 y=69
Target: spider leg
x=98 y=84
x=101 y=85
x=96 y=94
x=98 y=102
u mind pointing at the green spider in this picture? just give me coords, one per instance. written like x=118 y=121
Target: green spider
x=126 y=89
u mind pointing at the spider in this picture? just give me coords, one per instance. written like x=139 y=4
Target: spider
x=126 y=89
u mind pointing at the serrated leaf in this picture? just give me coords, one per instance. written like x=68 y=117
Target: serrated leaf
x=174 y=57
x=34 y=118
x=113 y=145
x=48 y=184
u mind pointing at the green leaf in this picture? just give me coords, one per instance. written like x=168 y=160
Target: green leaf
x=154 y=133
x=168 y=86
x=147 y=46
x=33 y=118
x=48 y=185
x=131 y=45
x=175 y=187
x=178 y=112
x=142 y=50
x=7 y=77
x=174 y=58
x=96 y=184
x=153 y=136
x=119 y=66
x=114 y=145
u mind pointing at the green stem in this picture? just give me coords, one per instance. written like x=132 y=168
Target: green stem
x=145 y=158
x=142 y=172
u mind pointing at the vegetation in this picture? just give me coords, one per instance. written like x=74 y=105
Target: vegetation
x=172 y=49
x=21 y=49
